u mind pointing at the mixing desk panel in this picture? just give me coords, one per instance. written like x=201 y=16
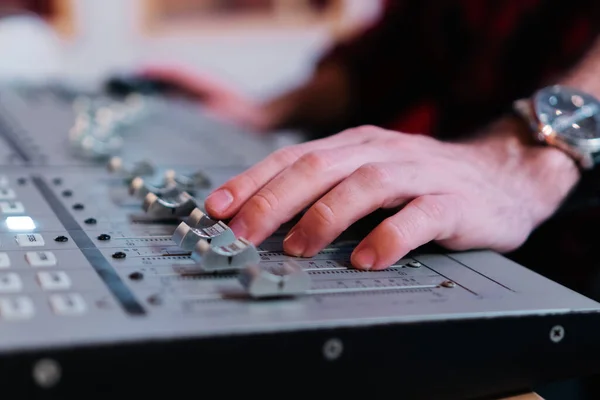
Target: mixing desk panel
x=111 y=269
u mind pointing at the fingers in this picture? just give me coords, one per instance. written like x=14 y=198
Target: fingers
x=372 y=186
x=425 y=219
x=228 y=199
x=297 y=187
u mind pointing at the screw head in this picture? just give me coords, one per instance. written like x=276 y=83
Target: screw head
x=46 y=373
x=333 y=349
x=557 y=333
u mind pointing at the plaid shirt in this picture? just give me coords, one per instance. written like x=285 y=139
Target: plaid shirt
x=446 y=68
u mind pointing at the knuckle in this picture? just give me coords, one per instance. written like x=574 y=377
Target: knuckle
x=323 y=215
x=360 y=131
x=314 y=162
x=286 y=155
x=243 y=185
x=375 y=174
x=399 y=234
x=264 y=202
x=431 y=208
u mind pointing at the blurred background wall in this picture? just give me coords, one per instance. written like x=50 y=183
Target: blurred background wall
x=260 y=53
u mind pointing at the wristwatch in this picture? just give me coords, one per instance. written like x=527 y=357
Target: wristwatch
x=566 y=118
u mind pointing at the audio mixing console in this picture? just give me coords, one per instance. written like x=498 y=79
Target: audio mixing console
x=113 y=278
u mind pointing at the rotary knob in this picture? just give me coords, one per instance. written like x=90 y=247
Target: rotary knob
x=232 y=257
x=216 y=233
x=280 y=280
x=180 y=205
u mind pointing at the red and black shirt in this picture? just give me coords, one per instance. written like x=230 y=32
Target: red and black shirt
x=444 y=68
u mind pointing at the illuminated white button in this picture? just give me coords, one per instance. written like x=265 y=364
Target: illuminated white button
x=41 y=258
x=4 y=260
x=7 y=194
x=11 y=207
x=29 y=239
x=55 y=280
x=20 y=223
x=10 y=283
x=67 y=304
x=16 y=308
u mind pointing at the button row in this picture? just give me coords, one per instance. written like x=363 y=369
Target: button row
x=48 y=280
x=29 y=240
x=18 y=308
x=34 y=258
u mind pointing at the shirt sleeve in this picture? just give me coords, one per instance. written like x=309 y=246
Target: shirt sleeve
x=386 y=64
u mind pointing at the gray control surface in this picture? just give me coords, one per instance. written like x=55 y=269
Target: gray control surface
x=84 y=259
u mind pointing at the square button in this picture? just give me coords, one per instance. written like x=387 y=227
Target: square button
x=68 y=304
x=29 y=239
x=16 y=308
x=4 y=260
x=10 y=283
x=7 y=194
x=54 y=280
x=11 y=207
x=41 y=258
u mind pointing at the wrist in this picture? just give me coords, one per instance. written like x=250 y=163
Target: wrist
x=541 y=176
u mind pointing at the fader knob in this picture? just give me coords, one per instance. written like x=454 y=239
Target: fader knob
x=287 y=279
x=139 y=169
x=231 y=257
x=179 y=206
x=140 y=188
x=197 y=180
x=205 y=228
x=187 y=183
x=199 y=220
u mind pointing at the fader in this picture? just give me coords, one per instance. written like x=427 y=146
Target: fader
x=113 y=276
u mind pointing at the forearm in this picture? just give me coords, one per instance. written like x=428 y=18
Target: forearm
x=322 y=102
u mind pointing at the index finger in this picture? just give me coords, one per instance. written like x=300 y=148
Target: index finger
x=227 y=200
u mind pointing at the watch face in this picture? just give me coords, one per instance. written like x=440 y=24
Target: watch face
x=572 y=115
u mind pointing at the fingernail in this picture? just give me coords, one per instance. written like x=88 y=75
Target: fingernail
x=364 y=258
x=295 y=243
x=220 y=200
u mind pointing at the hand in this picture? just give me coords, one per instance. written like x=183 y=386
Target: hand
x=218 y=99
x=484 y=194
